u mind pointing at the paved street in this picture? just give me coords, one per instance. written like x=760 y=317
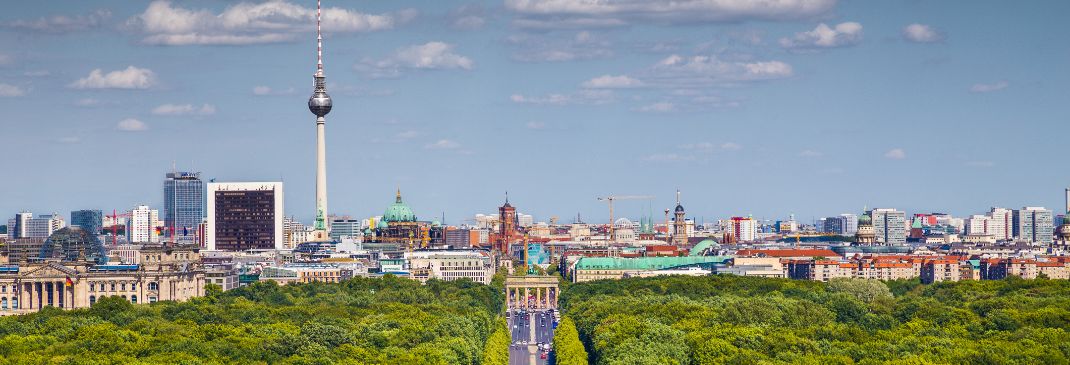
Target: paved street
x=532 y=332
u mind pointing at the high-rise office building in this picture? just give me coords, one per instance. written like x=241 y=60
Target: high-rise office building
x=89 y=220
x=344 y=226
x=141 y=228
x=184 y=204
x=25 y=225
x=1034 y=225
x=245 y=216
x=889 y=226
x=843 y=224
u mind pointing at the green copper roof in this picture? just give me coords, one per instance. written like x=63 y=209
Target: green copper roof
x=702 y=246
x=399 y=212
x=645 y=263
x=916 y=224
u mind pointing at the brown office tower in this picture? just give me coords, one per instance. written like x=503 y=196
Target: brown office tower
x=245 y=216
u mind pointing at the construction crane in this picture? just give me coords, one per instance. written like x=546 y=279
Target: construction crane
x=610 y=199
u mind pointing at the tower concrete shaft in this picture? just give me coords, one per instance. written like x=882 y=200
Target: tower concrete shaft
x=320 y=104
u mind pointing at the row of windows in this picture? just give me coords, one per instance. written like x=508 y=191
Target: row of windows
x=93 y=286
x=4 y=303
x=14 y=288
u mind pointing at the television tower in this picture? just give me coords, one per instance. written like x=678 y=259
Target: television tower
x=320 y=104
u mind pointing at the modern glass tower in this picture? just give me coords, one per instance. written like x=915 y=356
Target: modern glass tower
x=184 y=203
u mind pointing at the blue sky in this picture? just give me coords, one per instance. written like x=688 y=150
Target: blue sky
x=811 y=107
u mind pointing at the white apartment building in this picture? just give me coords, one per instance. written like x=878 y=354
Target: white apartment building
x=451 y=265
x=142 y=225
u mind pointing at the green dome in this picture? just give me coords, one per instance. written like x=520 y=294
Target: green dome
x=865 y=219
x=381 y=224
x=399 y=212
x=436 y=224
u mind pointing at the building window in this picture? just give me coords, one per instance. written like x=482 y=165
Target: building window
x=92 y=299
x=152 y=299
x=133 y=286
x=112 y=286
x=3 y=303
x=154 y=286
x=122 y=286
x=14 y=303
x=133 y=299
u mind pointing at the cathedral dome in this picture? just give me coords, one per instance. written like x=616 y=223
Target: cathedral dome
x=679 y=208
x=399 y=212
x=865 y=219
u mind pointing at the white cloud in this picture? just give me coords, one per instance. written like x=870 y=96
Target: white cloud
x=265 y=90
x=612 y=82
x=731 y=146
x=427 y=56
x=37 y=73
x=69 y=140
x=582 y=97
x=895 y=154
x=131 y=125
x=810 y=153
x=659 y=107
x=61 y=23
x=409 y=134
x=697 y=71
x=130 y=78
x=559 y=14
x=261 y=90
x=823 y=36
x=987 y=88
x=535 y=125
x=922 y=33
x=250 y=23
x=10 y=91
x=184 y=109
x=443 y=144
x=6 y=59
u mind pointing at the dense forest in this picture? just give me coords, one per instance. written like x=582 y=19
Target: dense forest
x=360 y=321
x=741 y=320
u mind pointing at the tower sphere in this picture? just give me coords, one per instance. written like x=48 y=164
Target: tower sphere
x=319 y=103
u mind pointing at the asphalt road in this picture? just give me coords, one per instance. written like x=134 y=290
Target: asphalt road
x=524 y=342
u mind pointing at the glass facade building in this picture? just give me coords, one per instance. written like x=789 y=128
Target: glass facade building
x=90 y=220
x=184 y=203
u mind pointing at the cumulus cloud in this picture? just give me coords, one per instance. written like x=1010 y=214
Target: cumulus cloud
x=61 y=23
x=535 y=125
x=443 y=144
x=129 y=78
x=250 y=23
x=534 y=47
x=987 y=88
x=823 y=36
x=409 y=134
x=10 y=91
x=557 y=14
x=612 y=82
x=427 y=56
x=184 y=109
x=131 y=125
x=895 y=154
x=922 y=33
x=810 y=153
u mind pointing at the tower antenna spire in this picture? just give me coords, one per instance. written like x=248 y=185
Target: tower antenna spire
x=319 y=40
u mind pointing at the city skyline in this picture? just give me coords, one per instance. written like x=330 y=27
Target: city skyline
x=749 y=113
